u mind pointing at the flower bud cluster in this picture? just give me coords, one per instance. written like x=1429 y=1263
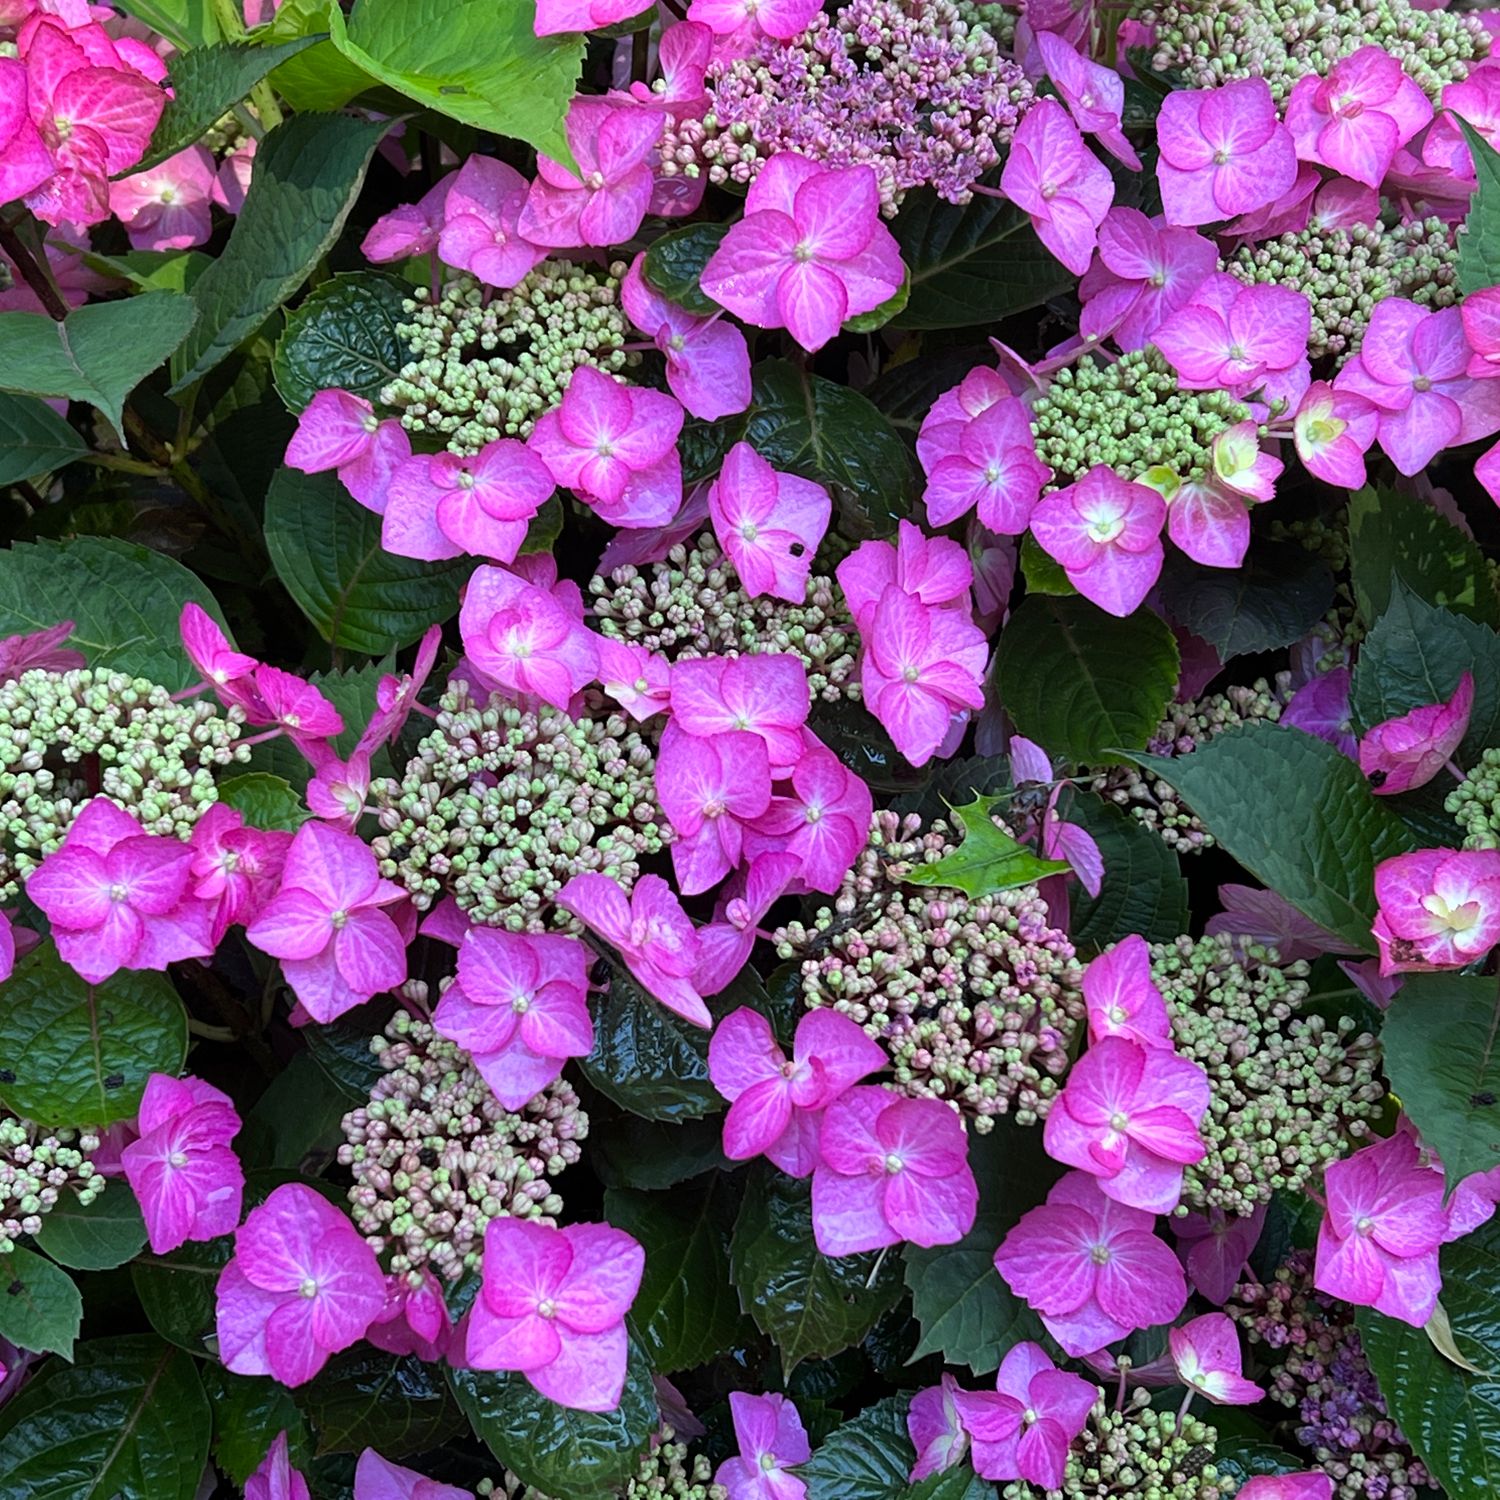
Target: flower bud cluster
x=37 y=1166
x=499 y=807
x=435 y=1156
x=487 y=364
x=667 y=1471
x=693 y=604
x=1475 y=803
x=977 y=1000
x=1289 y=1092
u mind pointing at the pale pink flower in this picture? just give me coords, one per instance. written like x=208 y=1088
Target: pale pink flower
x=1354 y=120
x=552 y=1305
x=936 y=1430
x=1145 y=270
x=554 y=16
x=1223 y=152
x=640 y=681
x=710 y=788
x=25 y=161
x=44 y=648
x=232 y=180
x=1333 y=430
x=771 y=1440
x=995 y=468
x=119 y=898
x=682 y=55
x=337 y=430
x=1091 y=1267
x=479 y=216
x=891 y=1169
x=651 y=932
x=1271 y=920
x=414 y=1319
x=1206 y=1353
x=725 y=944
x=1242 y=465
x=411 y=229
x=765 y=694
x=521 y=640
x=1214 y=1248
x=768 y=523
x=810 y=252
x=1407 y=752
x=1480 y=312
x=776 y=1105
x=944 y=425
x=739 y=23
x=1122 y=999
x=236 y=868
x=1058 y=183
x=275 y=1478
x=377 y=1478
x=1235 y=337
x=302 y=1285
x=181 y=1169
x=166 y=207
x=1094 y=94
x=326 y=924
x=1106 y=533
x=1439 y=909
x=934 y=570
x=1313 y=1486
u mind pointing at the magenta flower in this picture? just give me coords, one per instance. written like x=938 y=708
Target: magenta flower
x=604 y=202
x=772 y=1439
x=302 y=1285
x=1145 y=271
x=119 y=898
x=1106 y=533
x=1314 y=1486
x=1207 y=521
x=1206 y=1354
x=891 y=1169
x=44 y=648
x=809 y=253
x=208 y=649
x=1055 y=838
x=995 y=468
x=775 y=1105
x=1234 y=336
x=640 y=681
x=275 y=1478
x=1320 y=707
x=1271 y=920
x=1406 y=752
x=768 y=523
x=1091 y=1267
x=296 y=707
x=1379 y=1240
x=521 y=640
x=337 y=946
x=651 y=932
x=181 y=1169
x=682 y=56
x=1094 y=94
x=1333 y=430
x=519 y=1008
x=936 y=1430
x=1058 y=183
x=934 y=570
x=710 y=789
x=25 y=161
x=1122 y=999
x=479 y=217
x=396 y=694
x=743 y=21
x=1223 y=152
x=412 y=229
x=1439 y=909
x=1023 y=1429
x=708 y=361
x=338 y=791
x=167 y=207
x=725 y=944
x=1214 y=1248
x=766 y=695
x=943 y=427
x=340 y=431
x=1354 y=120
x=377 y=1478
x=552 y=1305
x=414 y=1319
x=554 y=16
x=1481 y=317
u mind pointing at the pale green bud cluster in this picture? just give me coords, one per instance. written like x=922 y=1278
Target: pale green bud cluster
x=66 y=737
x=1475 y=803
x=667 y=1471
x=992 y=16
x=37 y=1167
x=499 y=807
x=487 y=364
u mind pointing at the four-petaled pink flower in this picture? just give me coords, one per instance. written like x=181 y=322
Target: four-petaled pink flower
x=1122 y=999
x=167 y=207
x=936 y=1430
x=710 y=789
x=1059 y=183
x=995 y=469
x=1333 y=430
x=414 y=1319
x=1091 y=1267
x=377 y=1478
x=933 y=569
x=891 y=1169
x=739 y=23
x=208 y=649
x=1206 y=1353
x=303 y=714
x=1314 y=1486
x=765 y=694
x=1481 y=315
x=25 y=161
x=725 y=944
x=1214 y=1248
x=772 y=1440
x=181 y=1169
x=396 y=693
x=942 y=430
x=1145 y=271
x=275 y=1478
x=809 y=253
x=1106 y=533
x=302 y=1285
x=1408 y=751
x=768 y=523
x=340 y=431
x=775 y=1105
x=1235 y=336
x=1023 y=1428
x=1223 y=152
x=479 y=215
x=1439 y=908
x=554 y=16
x=337 y=946
x=640 y=681
x=411 y=229
x=1094 y=94
x=552 y=1305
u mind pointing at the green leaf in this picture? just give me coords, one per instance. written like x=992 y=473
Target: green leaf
x=98 y=353
x=869 y=1458
x=686 y=1312
x=72 y=1053
x=186 y=23
x=33 y=439
x=674 y=265
x=342 y=336
x=878 y=317
x=296 y=1120
x=97 y=1236
x=342 y=1049
x=972 y=264
x=176 y=1291
x=40 y=1307
x=321 y=78
x=250 y=1412
x=128 y=1419
x=264 y=801
x=1297 y=815
x=1144 y=889
x=1479 y=248
x=988 y=859
x=1442 y=1059
x=206 y=83
x=1043 y=574
x=478 y=62
x=364 y=1398
x=651 y=1155
x=808 y=1304
x=583 y=1455
x=1242 y=1458
x=326 y=549
x=1082 y=683
x=308 y=173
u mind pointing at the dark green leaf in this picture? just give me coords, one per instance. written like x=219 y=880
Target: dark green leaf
x=1242 y=1458
x=1479 y=249
x=342 y=337
x=250 y=1412
x=296 y=1120
x=870 y=1457
x=988 y=859
x=674 y=263
x=342 y=1049
x=1144 y=889
x=651 y=1155
x=40 y=1308
x=1043 y=574
x=176 y=1291
x=366 y=1398
x=33 y=439
x=97 y=1236
x=264 y=801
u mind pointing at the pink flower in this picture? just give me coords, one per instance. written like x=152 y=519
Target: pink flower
x=1379 y=1240
x=891 y=1169
x=1481 y=316
x=934 y=570
x=725 y=944
x=682 y=55
x=340 y=431
x=1023 y=1429
x=1106 y=533
x=1214 y=1247
x=809 y=253
x=936 y=1430
x=414 y=1319
x=1122 y=999
x=302 y=1285
x=1320 y=707
x=1439 y=909
x=1314 y=1486
x=1055 y=838
x=1206 y=1353
x=776 y=1106
x=377 y=1478
x=1271 y=920
x=338 y=791
x=44 y=648
x=743 y=21
x=708 y=361
x=396 y=695
x=1234 y=336
x=944 y=425
x=640 y=681
x=275 y=1478
x=521 y=640
x=118 y=897
x=1145 y=271
x=995 y=468
x=554 y=16
x=1057 y=181
x=766 y=695
x=1091 y=1267
x=1408 y=751
x=1354 y=120
x=605 y=201
x=651 y=932
x=208 y=649
x=25 y=161
x=1223 y=152
x=411 y=229
x=768 y=523
x=326 y=924
x=1241 y=465
x=479 y=217
x=182 y=1171
x=552 y=1305
x=166 y=207
x=709 y=789
x=232 y=180
x=519 y=1008
x=1094 y=94
x=1333 y=430
x=771 y=1438
x=297 y=707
